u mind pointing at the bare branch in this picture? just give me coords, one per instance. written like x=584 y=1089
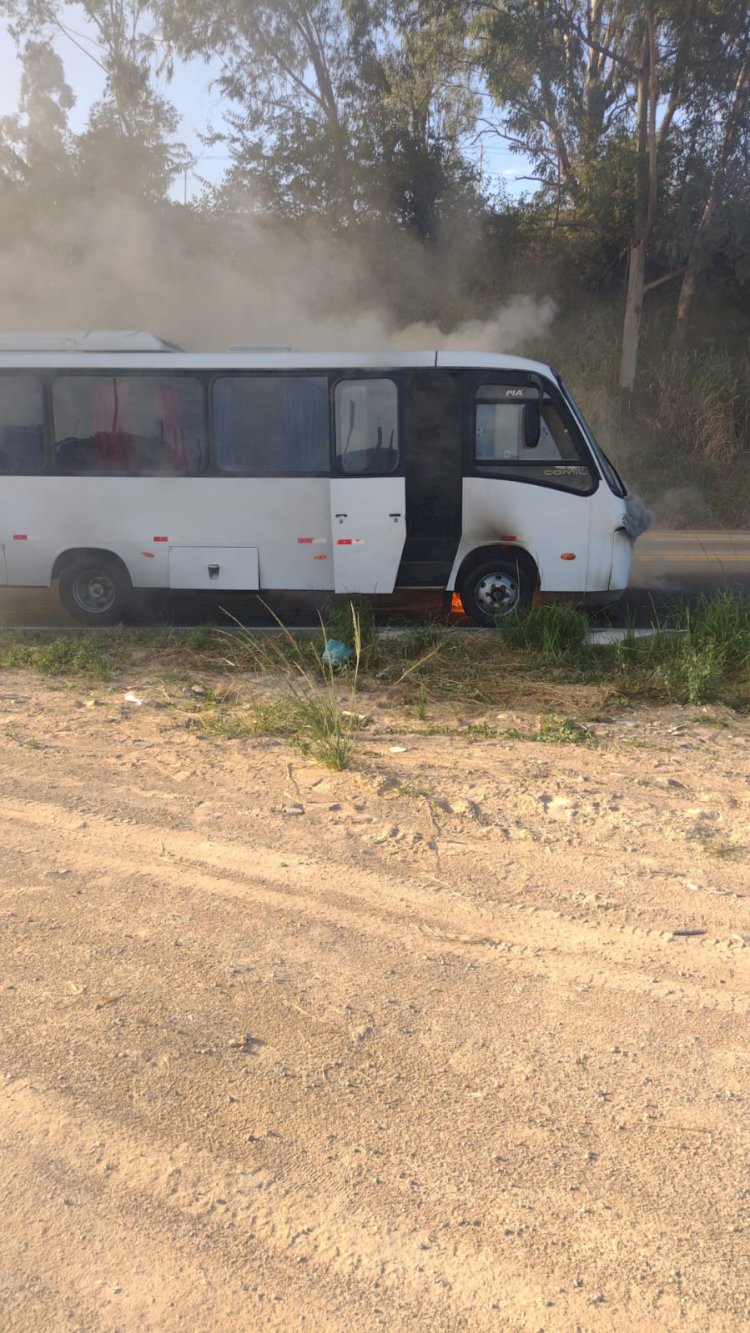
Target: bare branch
x=659 y=282
x=594 y=45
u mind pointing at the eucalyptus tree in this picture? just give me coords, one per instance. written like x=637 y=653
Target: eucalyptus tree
x=347 y=109
x=587 y=88
x=35 y=142
x=424 y=106
x=128 y=143
x=293 y=71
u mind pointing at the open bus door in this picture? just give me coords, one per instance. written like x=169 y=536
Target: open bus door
x=369 y=528
x=368 y=498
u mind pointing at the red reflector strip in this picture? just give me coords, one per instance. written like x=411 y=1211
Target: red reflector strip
x=20 y=537
x=508 y=539
x=305 y=541
x=344 y=541
x=161 y=539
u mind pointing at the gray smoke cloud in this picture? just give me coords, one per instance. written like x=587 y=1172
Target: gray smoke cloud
x=205 y=283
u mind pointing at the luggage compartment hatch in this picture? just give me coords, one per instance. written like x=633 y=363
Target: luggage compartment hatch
x=209 y=568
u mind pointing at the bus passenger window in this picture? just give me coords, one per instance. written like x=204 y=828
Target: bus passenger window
x=271 y=425
x=146 y=425
x=366 y=426
x=21 y=424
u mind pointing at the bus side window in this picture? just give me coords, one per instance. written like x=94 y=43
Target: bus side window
x=366 y=426
x=21 y=424
x=145 y=425
x=271 y=425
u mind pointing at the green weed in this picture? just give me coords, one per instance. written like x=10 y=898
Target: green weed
x=702 y=658
x=309 y=711
x=552 y=632
x=723 y=851
x=553 y=730
x=408 y=787
x=353 y=623
x=66 y=655
x=704 y=400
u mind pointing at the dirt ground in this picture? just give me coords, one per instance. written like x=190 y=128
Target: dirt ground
x=454 y=1040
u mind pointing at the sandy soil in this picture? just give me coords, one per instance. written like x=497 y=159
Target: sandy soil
x=461 y=1046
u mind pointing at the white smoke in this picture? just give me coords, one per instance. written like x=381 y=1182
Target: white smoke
x=205 y=284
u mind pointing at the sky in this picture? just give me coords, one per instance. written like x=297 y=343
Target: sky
x=199 y=105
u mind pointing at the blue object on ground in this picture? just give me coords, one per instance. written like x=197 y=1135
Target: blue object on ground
x=336 y=653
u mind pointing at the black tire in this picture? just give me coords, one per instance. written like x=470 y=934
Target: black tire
x=494 y=588
x=95 y=589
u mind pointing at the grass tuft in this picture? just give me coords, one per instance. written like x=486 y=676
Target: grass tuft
x=553 y=730
x=310 y=711
x=554 y=633
x=66 y=655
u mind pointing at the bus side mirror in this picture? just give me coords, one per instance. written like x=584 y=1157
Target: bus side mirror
x=532 y=423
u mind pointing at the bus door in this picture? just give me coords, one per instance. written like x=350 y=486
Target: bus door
x=432 y=406
x=368 y=495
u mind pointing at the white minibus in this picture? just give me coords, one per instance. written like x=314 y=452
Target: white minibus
x=128 y=464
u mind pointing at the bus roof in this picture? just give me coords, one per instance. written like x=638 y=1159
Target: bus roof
x=136 y=350
x=86 y=340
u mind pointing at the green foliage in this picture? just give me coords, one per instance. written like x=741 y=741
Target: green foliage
x=703 y=658
x=352 y=623
x=681 y=440
x=554 y=633
x=127 y=146
x=63 y=655
x=554 y=730
x=314 y=722
x=324 y=727
x=310 y=710
x=342 y=111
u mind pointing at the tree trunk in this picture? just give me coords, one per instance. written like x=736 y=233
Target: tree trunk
x=685 y=301
x=631 y=327
x=645 y=204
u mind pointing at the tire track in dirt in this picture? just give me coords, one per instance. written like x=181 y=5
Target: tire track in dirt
x=286 y=883
x=228 y=1204
x=422 y=1076
x=453 y=1106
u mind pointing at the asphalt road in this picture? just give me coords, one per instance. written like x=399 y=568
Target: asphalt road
x=678 y=556
x=668 y=565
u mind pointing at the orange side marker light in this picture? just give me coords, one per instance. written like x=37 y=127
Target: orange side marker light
x=568 y=555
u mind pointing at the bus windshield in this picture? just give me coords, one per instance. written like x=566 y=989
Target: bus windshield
x=611 y=475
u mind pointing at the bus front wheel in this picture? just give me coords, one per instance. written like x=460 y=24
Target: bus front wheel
x=491 y=590
x=95 y=589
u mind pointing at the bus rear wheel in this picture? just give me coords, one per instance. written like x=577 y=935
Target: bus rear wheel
x=492 y=590
x=95 y=589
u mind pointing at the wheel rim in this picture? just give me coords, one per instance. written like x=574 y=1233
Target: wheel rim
x=497 y=594
x=94 y=591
